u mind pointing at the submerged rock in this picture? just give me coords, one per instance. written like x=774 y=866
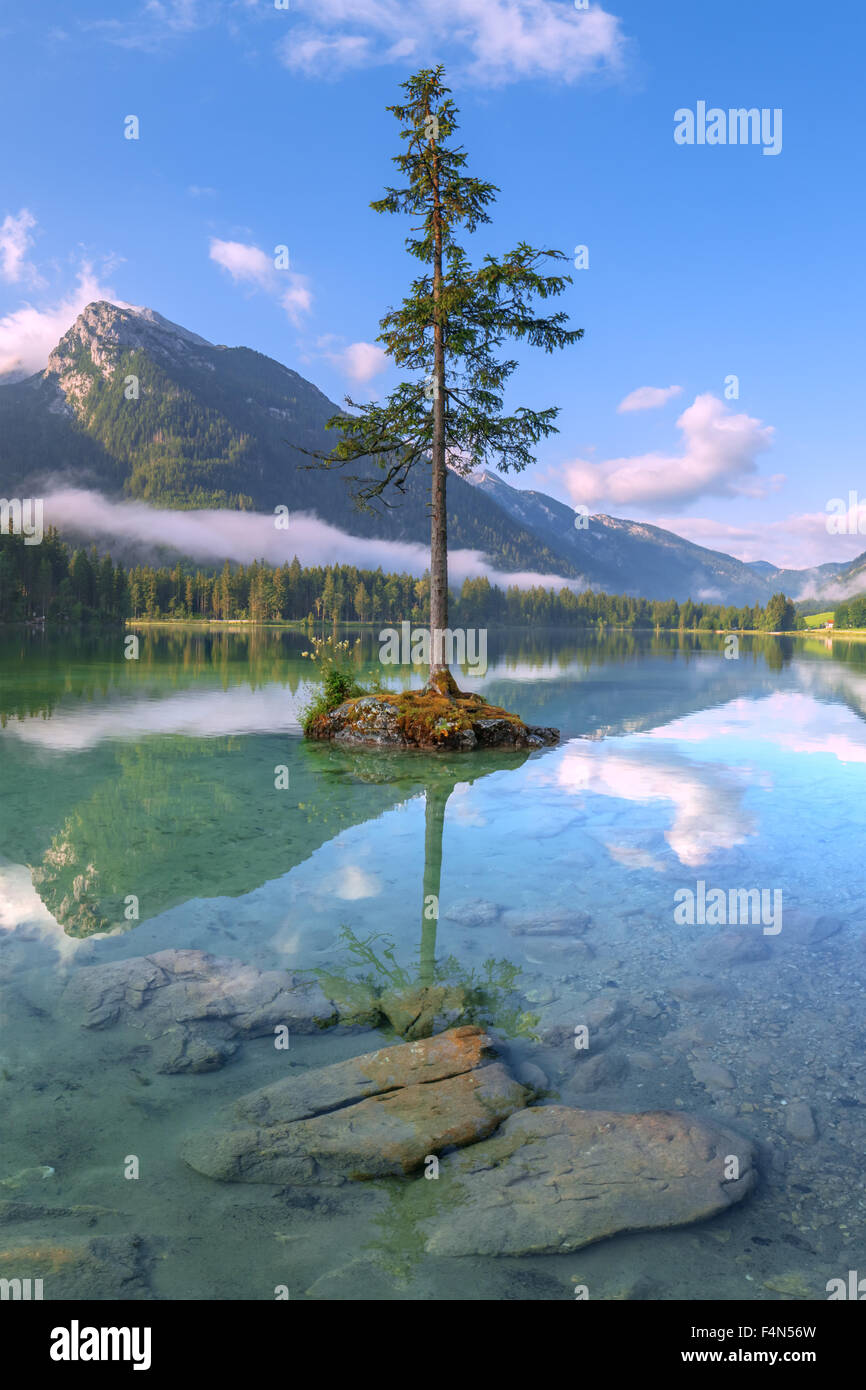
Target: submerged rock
x=528 y=1074
x=554 y=921
x=384 y=1136
x=711 y=1074
x=361 y=1280
x=356 y=1003
x=474 y=912
x=14 y=1213
x=604 y=1016
x=106 y=1267
x=554 y=1179
x=596 y=1072
x=803 y=930
x=790 y=1285
x=695 y=988
x=374 y=1116
x=800 y=1122
x=321 y=1089
x=193 y=1006
x=28 y=1177
x=419 y=1011
x=734 y=948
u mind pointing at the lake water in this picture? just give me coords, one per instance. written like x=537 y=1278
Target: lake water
x=156 y=778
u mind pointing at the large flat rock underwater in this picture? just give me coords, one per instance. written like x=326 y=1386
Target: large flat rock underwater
x=513 y=1178
x=378 y=1115
x=554 y=1179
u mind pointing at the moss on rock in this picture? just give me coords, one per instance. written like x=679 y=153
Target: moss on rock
x=430 y=718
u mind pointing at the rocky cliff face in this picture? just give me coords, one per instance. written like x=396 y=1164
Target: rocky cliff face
x=100 y=337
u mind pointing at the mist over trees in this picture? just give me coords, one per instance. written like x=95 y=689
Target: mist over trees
x=62 y=585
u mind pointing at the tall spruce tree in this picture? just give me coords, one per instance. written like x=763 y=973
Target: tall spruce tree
x=449 y=329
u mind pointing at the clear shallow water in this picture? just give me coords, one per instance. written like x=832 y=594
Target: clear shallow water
x=156 y=778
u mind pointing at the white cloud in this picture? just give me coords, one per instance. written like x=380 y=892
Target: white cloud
x=715 y=535
x=243 y=262
x=359 y=361
x=648 y=398
x=15 y=241
x=297 y=300
x=315 y=54
x=157 y=23
x=196 y=190
x=718 y=459
x=179 y=15
x=248 y=536
x=798 y=541
x=488 y=41
x=158 y=20
x=248 y=264
x=27 y=335
x=496 y=41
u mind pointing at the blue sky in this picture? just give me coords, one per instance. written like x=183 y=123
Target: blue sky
x=262 y=126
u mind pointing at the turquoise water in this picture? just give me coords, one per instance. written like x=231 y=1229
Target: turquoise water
x=156 y=778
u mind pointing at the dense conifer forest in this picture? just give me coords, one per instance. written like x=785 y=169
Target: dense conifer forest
x=53 y=582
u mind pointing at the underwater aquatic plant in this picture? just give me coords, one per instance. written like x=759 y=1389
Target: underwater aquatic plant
x=490 y=996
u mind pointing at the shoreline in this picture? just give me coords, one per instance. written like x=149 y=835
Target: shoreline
x=300 y=625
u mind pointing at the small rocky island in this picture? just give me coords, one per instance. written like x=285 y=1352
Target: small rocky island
x=441 y=716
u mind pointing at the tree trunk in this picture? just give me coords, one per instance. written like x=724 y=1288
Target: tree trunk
x=439 y=676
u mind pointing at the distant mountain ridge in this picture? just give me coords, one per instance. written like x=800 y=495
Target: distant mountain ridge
x=629 y=556
x=136 y=406
x=212 y=426
x=609 y=549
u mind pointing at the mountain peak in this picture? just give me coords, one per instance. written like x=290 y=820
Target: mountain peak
x=158 y=322
x=103 y=332
x=127 y=326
